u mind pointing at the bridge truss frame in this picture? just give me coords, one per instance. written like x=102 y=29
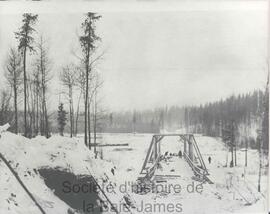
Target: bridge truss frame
x=191 y=154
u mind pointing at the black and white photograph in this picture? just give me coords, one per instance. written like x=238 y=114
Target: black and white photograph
x=134 y=107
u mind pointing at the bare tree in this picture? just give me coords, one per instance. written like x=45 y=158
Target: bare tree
x=92 y=89
x=68 y=79
x=93 y=109
x=5 y=110
x=80 y=83
x=97 y=110
x=36 y=81
x=14 y=77
x=30 y=104
x=43 y=69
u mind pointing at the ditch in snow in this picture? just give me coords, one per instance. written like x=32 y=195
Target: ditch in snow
x=77 y=191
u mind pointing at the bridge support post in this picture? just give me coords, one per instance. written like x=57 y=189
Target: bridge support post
x=156 y=150
x=190 y=150
x=185 y=146
x=159 y=148
x=153 y=155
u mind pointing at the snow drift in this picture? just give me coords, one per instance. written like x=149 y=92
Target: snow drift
x=28 y=156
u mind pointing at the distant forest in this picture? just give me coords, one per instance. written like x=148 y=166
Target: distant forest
x=248 y=113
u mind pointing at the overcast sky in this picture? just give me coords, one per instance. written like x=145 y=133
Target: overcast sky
x=161 y=58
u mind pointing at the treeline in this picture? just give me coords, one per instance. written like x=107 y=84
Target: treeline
x=27 y=81
x=27 y=69
x=136 y=121
x=248 y=112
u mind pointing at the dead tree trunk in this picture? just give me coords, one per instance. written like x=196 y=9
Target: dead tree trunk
x=15 y=109
x=71 y=110
x=37 y=106
x=260 y=161
x=29 y=128
x=77 y=114
x=246 y=144
x=24 y=91
x=95 y=123
x=86 y=97
x=89 y=126
x=13 y=75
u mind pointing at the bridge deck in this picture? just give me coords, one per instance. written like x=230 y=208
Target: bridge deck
x=174 y=166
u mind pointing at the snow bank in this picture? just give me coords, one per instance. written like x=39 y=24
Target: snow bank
x=4 y=128
x=26 y=156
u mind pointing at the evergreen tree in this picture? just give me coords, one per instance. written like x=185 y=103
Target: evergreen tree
x=25 y=43
x=87 y=42
x=61 y=118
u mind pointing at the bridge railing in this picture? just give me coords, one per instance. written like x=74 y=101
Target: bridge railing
x=199 y=171
x=149 y=172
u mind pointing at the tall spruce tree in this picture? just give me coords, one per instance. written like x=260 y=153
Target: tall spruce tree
x=87 y=42
x=24 y=36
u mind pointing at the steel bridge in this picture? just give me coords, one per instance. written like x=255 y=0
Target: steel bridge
x=191 y=154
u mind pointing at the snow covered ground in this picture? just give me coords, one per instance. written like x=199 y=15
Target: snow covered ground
x=232 y=190
x=28 y=156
